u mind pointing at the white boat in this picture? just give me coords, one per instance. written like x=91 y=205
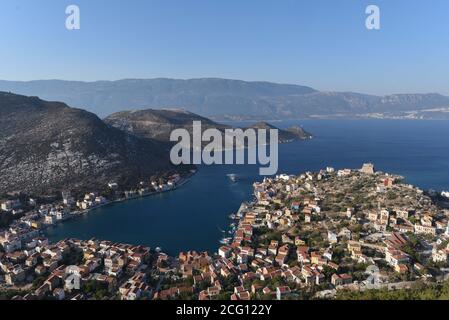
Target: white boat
x=233 y=177
x=225 y=240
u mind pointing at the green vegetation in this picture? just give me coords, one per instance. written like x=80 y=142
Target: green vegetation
x=38 y=282
x=96 y=289
x=391 y=195
x=419 y=291
x=73 y=258
x=5 y=219
x=9 y=294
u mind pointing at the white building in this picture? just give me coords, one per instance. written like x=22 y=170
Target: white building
x=332 y=237
x=283 y=176
x=113 y=185
x=420 y=229
x=395 y=257
x=439 y=255
x=367 y=168
x=9 y=205
x=224 y=251
x=61 y=215
x=344 y=172
x=50 y=219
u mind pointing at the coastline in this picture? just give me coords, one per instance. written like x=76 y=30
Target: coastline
x=80 y=213
x=255 y=220
x=423 y=177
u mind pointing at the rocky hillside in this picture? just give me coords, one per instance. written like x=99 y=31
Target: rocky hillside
x=158 y=124
x=287 y=135
x=48 y=146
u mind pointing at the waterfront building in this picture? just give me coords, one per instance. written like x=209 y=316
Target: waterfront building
x=367 y=168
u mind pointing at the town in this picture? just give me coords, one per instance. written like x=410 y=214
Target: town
x=310 y=236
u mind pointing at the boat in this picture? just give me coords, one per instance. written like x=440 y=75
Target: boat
x=233 y=177
x=221 y=230
x=225 y=240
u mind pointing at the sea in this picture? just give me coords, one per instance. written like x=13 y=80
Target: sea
x=196 y=216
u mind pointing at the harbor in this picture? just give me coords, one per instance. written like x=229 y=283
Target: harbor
x=210 y=198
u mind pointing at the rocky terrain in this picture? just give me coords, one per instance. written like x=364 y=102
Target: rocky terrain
x=287 y=135
x=48 y=146
x=158 y=124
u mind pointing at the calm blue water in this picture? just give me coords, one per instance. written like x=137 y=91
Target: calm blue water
x=192 y=217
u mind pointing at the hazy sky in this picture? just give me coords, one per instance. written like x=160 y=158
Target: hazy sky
x=323 y=44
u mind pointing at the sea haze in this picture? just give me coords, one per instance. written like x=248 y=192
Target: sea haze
x=193 y=217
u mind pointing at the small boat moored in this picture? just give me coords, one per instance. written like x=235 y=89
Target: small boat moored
x=233 y=177
x=226 y=240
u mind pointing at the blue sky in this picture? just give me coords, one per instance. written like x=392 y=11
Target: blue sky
x=323 y=44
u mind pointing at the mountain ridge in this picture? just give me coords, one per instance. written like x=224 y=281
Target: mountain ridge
x=159 y=123
x=230 y=99
x=48 y=146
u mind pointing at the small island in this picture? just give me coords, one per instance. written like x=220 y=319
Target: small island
x=158 y=124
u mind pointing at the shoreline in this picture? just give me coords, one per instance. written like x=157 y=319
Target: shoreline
x=255 y=219
x=78 y=214
x=311 y=118
x=226 y=232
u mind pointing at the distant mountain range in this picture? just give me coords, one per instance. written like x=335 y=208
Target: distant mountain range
x=47 y=146
x=158 y=124
x=231 y=99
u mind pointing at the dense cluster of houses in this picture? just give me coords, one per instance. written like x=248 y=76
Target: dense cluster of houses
x=302 y=234
x=27 y=256
x=376 y=234
x=103 y=262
